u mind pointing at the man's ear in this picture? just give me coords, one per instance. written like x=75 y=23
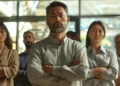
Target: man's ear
x=68 y=19
x=34 y=39
x=46 y=21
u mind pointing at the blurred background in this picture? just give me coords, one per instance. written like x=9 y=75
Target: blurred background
x=22 y=15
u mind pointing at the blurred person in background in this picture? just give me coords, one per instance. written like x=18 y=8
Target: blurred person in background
x=21 y=79
x=117 y=47
x=73 y=35
x=9 y=62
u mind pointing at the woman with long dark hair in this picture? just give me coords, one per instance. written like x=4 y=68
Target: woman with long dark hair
x=102 y=62
x=9 y=62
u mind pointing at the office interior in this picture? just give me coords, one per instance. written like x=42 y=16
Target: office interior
x=22 y=15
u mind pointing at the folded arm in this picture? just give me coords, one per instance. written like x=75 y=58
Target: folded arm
x=38 y=75
x=13 y=66
x=78 y=70
x=112 y=71
x=109 y=73
x=97 y=72
x=2 y=72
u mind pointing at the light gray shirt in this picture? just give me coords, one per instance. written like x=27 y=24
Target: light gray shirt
x=50 y=52
x=104 y=58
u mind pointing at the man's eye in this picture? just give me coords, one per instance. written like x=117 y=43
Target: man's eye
x=61 y=15
x=53 y=16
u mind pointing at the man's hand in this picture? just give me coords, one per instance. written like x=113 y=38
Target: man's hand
x=117 y=81
x=2 y=74
x=98 y=72
x=76 y=62
x=47 y=68
x=103 y=69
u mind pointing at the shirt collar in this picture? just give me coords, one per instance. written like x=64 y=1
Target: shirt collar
x=89 y=49
x=5 y=50
x=55 y=41
x=102 y=49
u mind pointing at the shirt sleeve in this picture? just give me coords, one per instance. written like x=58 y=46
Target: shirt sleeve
x=22 y=72
x=78 y=72
x=112 y=72
x=90 y=74
x=12 y=69
x=35 y=73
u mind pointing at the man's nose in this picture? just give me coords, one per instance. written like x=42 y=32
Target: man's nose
x=0 y=34
x=57 y=18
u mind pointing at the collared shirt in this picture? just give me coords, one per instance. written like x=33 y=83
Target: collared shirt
x=104 y=58
x=9 y=63
x=21 y=78
x=60 y=56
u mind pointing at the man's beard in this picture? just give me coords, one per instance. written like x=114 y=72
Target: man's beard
x=57 y=27
x=28 y=45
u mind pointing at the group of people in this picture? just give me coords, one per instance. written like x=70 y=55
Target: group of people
x=60 y=60
x=13 y=66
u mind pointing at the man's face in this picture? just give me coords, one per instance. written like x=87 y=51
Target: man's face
x=28 y=40
x=117 y=45
x=57 y=20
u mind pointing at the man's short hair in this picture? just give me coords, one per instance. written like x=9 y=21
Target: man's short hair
x=56 y=4
x=27 y=32
x=118 y=34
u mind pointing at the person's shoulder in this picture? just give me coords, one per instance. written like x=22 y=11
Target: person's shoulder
x=23 y=54
x=110 y=51
x=13 y=51
x=69 y=39
x=76 y=43
x=40 y=43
